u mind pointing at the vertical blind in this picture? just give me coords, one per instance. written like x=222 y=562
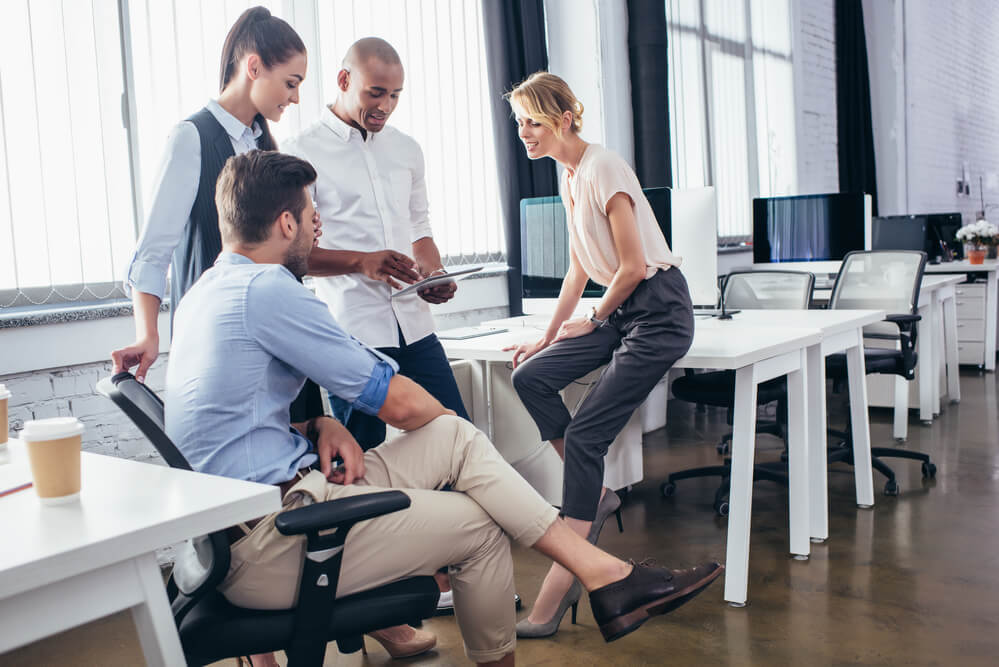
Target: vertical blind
x=731 y=97
x=67 y=207
x=66 y=223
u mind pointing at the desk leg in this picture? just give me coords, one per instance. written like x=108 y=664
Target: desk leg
x=950 y=338
x=936 y=323
x=797 y=458
x=991 y=312
x=740 y=495
x=860 y=423
x=924 y=366
x=818 y=501
x=487 y=391
x=153 y=618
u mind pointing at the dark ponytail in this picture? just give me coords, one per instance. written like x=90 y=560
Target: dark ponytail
x=256 y=31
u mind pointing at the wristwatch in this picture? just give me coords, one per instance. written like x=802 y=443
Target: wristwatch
x=596 y=320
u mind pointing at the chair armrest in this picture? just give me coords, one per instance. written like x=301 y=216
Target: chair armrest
x=904 y=321
x=341 y=513
x=323 y=557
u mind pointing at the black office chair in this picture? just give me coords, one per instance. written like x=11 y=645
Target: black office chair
x=887 y=280
x=745 y=290
x=212 y=629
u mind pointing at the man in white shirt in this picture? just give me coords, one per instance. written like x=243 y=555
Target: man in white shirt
x=372 y=196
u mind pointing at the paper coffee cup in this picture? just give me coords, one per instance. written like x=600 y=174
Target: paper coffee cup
x=4 y=416
x=54 y=453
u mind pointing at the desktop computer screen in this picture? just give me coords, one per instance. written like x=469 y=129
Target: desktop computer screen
x=941 y=229
x=810 y=228
x=932 y=233
x=544 y=240
x=898 y=232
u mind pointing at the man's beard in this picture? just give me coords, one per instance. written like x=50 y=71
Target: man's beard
x=297 y=262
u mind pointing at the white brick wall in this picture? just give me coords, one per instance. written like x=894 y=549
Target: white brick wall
x=72 y=392
x=815 y=95
x=951 y=71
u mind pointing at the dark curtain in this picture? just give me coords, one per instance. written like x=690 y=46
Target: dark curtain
x=650 y=110
x=853 y=103
x=515 y=48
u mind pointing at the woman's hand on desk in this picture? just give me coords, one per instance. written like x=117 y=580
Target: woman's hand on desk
x=574 y=329
x=335 y=440
x=525 y=351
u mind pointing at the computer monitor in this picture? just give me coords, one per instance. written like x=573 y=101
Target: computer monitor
x=899 y=232
x=694 y=223
x=687 y=219
x=544 y=243
x=810 y=228
x=941 y=228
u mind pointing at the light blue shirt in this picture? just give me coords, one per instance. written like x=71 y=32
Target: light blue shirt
x=174 y=191
x=245 y=337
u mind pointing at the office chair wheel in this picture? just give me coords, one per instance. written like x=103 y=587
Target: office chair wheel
x=722 y=447
x=668 y=489
x=891 y=488
x=929 y=470
x=721 y=508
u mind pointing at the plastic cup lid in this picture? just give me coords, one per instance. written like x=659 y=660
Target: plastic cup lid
x=4 y=392
x=51 y=429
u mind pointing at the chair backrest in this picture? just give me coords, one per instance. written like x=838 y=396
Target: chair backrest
x=756 y=290
x=203 y=562
x=880 y=279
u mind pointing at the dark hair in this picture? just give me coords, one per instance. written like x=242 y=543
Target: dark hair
x=271 y=38
x=255 y=188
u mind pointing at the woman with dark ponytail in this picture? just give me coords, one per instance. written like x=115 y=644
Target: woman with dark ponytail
x=263 y=64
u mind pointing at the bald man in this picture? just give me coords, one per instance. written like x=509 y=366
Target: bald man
x=372 y=197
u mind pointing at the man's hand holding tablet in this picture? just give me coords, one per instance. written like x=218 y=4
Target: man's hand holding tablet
x=438 y=287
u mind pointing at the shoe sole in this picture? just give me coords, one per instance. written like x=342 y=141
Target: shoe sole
x=631 y=621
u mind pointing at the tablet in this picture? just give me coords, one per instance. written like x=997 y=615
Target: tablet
x=435 y=280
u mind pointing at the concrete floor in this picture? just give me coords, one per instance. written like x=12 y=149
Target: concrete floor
x=912 y=581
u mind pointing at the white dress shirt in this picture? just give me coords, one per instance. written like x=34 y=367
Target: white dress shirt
x=371 y=195
x=174 y=192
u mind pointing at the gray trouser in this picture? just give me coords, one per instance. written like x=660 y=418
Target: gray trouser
x=640 y=342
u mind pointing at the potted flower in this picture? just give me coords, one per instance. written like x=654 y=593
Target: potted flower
x=976 y=237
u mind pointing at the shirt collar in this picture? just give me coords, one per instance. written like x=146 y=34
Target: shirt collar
x=233 y=126
x=229 y=257
x=340 y=128
x=233 y=258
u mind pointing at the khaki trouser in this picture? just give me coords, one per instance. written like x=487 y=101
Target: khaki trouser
x=466 y=529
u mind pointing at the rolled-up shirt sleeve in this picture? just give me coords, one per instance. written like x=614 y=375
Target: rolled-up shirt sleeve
x=297 y=328
x=419 y=214
x=174 y=191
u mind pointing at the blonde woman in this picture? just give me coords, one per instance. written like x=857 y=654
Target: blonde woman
x=642 y=325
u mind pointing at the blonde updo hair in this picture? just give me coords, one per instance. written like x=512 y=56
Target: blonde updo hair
x=544 y=98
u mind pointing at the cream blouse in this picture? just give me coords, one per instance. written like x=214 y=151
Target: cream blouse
x=600 y=175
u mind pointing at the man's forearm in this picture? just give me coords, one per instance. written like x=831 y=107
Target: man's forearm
x=326 y=262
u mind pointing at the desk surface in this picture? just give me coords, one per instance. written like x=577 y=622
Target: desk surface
x=963 y=266
x=927 y=286
x=712 y=347
x=829 y=322
x=126 y=508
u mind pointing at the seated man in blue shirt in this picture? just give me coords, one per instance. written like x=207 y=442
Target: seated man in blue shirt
x=245 y=338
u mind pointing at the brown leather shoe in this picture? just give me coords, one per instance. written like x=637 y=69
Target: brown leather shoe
x=648 y=591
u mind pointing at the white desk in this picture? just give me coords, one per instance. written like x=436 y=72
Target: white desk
x=62 y=566
x=756 y=355
x=842 y=332
x=989 y=270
